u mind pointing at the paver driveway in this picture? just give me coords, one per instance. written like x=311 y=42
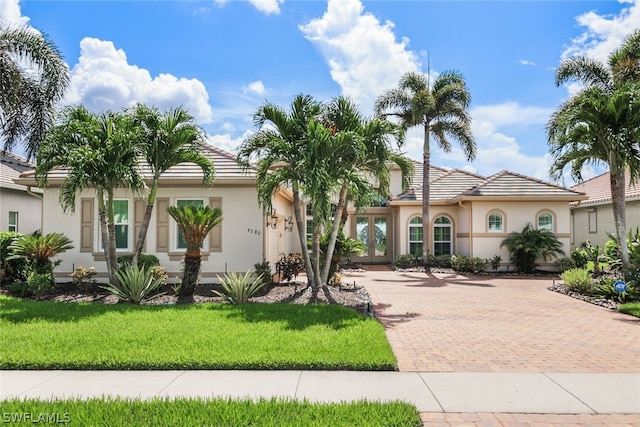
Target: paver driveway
x=449 y=323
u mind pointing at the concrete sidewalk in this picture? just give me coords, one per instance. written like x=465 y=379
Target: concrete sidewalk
x=455 y=392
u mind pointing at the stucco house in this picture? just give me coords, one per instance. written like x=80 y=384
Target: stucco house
x=20 y=205
x=592 y=219
x=470 y=215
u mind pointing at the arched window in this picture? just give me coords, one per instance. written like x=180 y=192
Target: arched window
x=495 y=222
x=545 y=221
x=442 y=243
x=415 y=236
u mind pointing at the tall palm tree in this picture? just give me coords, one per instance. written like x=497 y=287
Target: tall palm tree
x=194 y=223
x=365 y=148
x=278 y=148
x=97 y=152
x=442 y=111
x=166 y=140
x=599 y=125
x=33 y=78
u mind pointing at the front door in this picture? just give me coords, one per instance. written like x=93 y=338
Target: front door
x=374 y=231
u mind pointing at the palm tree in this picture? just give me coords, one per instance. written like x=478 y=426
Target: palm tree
x=97 y=152
x=28 y=96
x=165 y=141
x=529 y=244
x=600 y=124
x=194 y=223
x=278 y=149
x=442 y=111
x=363 y=147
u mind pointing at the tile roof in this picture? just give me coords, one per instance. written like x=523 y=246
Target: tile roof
x=224 y=162
x=598 y=189
x=455 y=184
x=11 y=166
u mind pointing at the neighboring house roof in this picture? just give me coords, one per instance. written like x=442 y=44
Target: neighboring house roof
x=11 y=166
x=457 y=185
x=598 y=189
x=226 y=168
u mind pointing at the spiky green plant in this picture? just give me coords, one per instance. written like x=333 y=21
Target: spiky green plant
x=238 y=288
x=135 y=284
x=527 y=245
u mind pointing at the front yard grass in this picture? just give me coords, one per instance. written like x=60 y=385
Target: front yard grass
x=210 y=412
x=632 y=308
x=55 y=335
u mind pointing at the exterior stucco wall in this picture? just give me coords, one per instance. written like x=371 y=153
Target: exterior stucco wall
x=29 y=210
x=516 y=215
x=604 y=222
x=243 y=229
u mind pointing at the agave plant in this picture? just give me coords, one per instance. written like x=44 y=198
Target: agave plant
x=135 y=284
x=237 y=289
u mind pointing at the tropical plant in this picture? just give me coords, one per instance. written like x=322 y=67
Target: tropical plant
x=84 y=278
x=526 y=246
x=601 y=124
x=135 y=284
x=194 y=222
x=405 y=261
x=495 y=262
x=565 y=263
x=11 y=269
x=593 y=254
x=605 y=288
x=33 y=78
x=289 y=266
x=580 y=258
x=263 y=270
x=465 y=264
x=237 y=288
x=279 y=152
x=145 y=260
x=442 y=111
x=38 y=251
x=97 y=152
x=345 y=248
x=166 y=140
x=578 y=280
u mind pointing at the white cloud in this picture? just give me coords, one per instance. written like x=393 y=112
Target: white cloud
x=510 y=113
x=10 y=13
x=526 y=62
x=104 y=80
x=256 y=87
x=364 y=57
x=604 y=33
x=266 y=6
x=227 y=142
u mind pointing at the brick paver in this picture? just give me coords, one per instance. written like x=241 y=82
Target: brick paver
x=450 y=323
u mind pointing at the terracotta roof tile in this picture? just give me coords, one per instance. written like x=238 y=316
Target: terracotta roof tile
x=598 y=189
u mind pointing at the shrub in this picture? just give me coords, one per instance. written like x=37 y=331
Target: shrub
x=465 y=264
x=144 y=260
x=237 y=289
x=605 y=289
x=136 y=284
x=11 y=269
x=289 y=266
x=578 y=280
x=263 y=270
x=565 y=263
x=84 y=278
x=529 y=244
x=158 y=272
x=579 y=258
x=611 y=250
x=405 y=261
x=495 y=262
x=440 y=261
x=40 y=283
x=20 y=289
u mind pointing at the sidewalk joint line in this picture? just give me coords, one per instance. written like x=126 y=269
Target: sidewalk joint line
x=431 y=391
x=577 y=398
x=181 y=373
x=295 y=393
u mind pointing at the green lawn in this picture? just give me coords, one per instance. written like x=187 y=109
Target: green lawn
x=632 y=308
x=52 y=335
x=218 y=412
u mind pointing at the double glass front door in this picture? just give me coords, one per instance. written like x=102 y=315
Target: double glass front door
x=373 y=231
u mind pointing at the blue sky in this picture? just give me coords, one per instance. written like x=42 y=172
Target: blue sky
x=223 y=59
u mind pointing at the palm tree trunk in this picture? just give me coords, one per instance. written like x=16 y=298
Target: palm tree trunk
x=302 y=232
x=144 y=227
x=426 y=191
x=190 y=275
x=112 y=258
x=102 y=217
x=315 y=249
x=342 y=198
x=617 y=182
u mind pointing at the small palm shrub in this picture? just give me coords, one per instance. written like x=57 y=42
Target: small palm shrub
x=527 y=245
x=37 y=251
x=578 y=280
x=144 y=260
x=136 y=285
x=405 y=261
x=237 y=289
